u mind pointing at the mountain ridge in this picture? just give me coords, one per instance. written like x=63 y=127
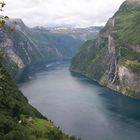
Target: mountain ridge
x=82 y=34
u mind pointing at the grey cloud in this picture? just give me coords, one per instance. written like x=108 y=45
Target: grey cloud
x=62 y=12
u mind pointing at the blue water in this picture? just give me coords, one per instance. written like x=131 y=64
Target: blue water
x=80 y=106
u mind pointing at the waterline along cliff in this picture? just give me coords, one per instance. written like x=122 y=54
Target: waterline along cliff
x=113 y=58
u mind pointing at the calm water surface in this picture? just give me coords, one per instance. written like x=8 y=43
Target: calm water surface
x=79 y=106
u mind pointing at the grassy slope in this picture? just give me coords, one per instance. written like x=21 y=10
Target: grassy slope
x=14 y=107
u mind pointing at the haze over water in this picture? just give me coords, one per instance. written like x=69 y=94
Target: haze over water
x=80 y=106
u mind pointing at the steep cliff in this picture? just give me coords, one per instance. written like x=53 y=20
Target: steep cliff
x=113 y=59
x=25 y=46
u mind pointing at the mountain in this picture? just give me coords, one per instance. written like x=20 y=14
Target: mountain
x=19 y=120
x=113 y=58
x=21 y=46
x=83 y=34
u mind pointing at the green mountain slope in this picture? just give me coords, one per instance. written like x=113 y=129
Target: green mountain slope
x=55 y=46
x=19 y=120
x=113 y=59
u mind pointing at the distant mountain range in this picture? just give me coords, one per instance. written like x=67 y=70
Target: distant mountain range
x=78 y=33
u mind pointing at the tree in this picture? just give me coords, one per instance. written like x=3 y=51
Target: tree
x=2 y=18
x=2 y=4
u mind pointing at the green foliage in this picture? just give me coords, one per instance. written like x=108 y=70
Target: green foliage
x=10 y=66
x=43 y=129
x=90 y=60
x=95 y=67
x=127 y=27
x=14 y=107
x=11 y=98
x=135 y=67
x=127 y=33
x=2 y=18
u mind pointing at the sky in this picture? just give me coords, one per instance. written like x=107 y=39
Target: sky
x=75 y=13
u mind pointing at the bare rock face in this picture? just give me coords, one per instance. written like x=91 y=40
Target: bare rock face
x=16 y=59
x=16 y=53
x=129 y=82
x=136 y=48
x=132 y=80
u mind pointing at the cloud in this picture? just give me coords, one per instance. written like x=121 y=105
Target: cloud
x=62 y=12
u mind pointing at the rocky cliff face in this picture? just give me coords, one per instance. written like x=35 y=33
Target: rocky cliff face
x=16 y=48
x=26 y=46
x=113 y=59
